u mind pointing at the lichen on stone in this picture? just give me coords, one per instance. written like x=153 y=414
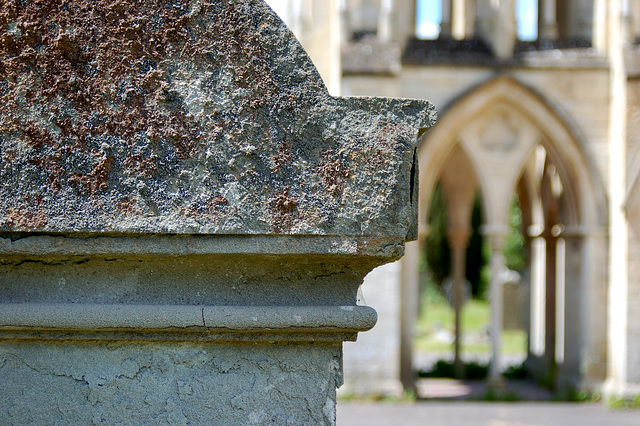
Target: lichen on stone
x=176 y=116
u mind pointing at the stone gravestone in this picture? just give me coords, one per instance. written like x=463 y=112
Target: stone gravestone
x=185 y=214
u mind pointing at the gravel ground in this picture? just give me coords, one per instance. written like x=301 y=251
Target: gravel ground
x=482 y=413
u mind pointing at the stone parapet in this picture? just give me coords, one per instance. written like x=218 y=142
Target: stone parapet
x=186 y=215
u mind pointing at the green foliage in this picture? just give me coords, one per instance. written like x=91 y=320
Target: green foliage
x=516 y=372
x=408 y=396
x=573 y=395
x=441 y=368
x=514 y=245
x=437 y=314
x=477 y=256
x=501 y=396
x=476 y=371
x=438 y=252
x=446 y=369
x=472 y=371
x=618 y=403
x=431 y=295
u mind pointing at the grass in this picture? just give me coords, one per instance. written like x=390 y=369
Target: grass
x=617 y=403
x=435 y=327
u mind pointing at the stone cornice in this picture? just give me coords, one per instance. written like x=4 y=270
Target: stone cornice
x=181 y=245
x=171 y=322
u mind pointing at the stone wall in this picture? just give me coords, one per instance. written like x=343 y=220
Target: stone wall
x=186 y=215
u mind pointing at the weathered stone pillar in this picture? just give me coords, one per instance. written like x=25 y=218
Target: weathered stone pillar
x=593 y=270
x=186 y=215
x=569 y=373
x=547 y=21
x=550 y=197
x=410 y=294
x=496 y=240
x=550 y=300
x=459 y=185
x=463 y=19
x=445 y=22
x=385 y=20
x=537 y=301
x=497 y=25
x=458 y=241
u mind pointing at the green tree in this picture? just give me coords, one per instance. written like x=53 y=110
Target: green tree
x=514 y=244
x=476 y=256
x=438 y=252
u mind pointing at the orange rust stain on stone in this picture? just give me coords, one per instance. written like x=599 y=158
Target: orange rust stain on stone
x=23 y=218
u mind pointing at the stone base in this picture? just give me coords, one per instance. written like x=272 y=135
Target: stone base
x=85 y=382
x=618 y=389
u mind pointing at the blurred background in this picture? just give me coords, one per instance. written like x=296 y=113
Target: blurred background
x=528 y=259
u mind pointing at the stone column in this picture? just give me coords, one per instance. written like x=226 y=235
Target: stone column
x=458 y=241
x=569 y=374
x=537 y=317
x=496 y=240
x=470 y=7
x=445 y=22
x=410 y=290
x=404 y=22
x=497 y=26
x=582 y=17
x=594 y=273
x=548 y=24
x=462 y=19
x=385 y=20
x=550 y=300
x=599 y=37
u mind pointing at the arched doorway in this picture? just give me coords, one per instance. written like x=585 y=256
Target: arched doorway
x=516 y=142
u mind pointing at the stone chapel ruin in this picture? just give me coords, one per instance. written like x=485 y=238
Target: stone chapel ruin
x=185 y=214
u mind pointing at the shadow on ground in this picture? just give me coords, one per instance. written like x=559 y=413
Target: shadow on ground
x=479 y=390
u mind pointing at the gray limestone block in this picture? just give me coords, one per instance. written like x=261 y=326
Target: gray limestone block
x=188 y=383
x=190 y=117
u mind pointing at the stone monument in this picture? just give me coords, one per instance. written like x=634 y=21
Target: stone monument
x=185 y=214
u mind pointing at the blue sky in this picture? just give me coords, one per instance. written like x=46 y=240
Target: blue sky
x=429 y=14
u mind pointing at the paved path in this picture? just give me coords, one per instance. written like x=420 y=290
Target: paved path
x=429 y=413
x=448 y=389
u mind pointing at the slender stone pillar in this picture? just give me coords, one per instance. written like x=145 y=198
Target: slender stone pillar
x=497 y=26
x=458 y=241
x=537 y=317
x=550 y=196
x=459 y=186
x=409 y=312
x=186 y=215
x=569 y=374
x=385 y=21
x=462 y=19
x=593 y=270
x=445 y=22
x=470 y=13
x=547 y=21
x=496 y=297
x=550 y=300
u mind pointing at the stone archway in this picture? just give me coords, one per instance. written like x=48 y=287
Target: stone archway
x=500 y=125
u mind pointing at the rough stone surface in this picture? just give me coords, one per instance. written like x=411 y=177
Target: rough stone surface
x=190 y=117
x=185 y=214
x=156 y=318
x=195 y=280
x=186 y=383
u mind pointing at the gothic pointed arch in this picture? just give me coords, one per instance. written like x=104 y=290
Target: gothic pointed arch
x=510 y=110
x=502 y=126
